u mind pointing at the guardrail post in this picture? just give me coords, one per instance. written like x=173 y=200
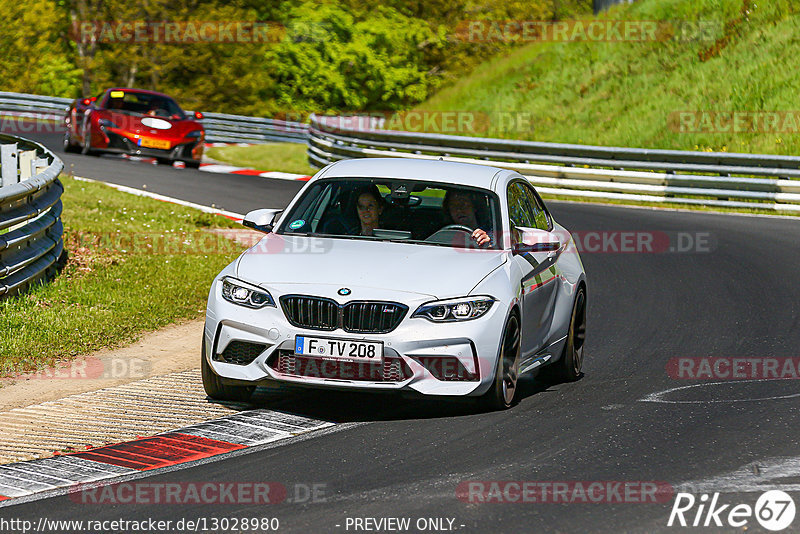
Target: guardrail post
x=25 y=161
x=38 y=165
x=8 y=165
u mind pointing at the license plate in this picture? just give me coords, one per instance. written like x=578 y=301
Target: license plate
x=153 y=143
x=339 y=349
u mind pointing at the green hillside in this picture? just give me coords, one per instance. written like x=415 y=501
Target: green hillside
x=727 y=56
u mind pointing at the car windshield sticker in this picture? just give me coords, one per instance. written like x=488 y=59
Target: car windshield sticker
x=117 y=94
x=297 y=224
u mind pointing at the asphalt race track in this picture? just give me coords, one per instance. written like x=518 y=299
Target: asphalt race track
x=734 y=296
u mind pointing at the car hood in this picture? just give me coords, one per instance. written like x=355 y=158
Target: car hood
x=438 y=272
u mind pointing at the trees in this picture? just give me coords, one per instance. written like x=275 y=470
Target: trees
x=348 y=55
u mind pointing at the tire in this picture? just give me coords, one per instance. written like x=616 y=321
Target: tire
x=214 y=386
x=69 y=146
x=503 y=392
x=568 y=368
x=86 y=146
x=165 y=161
x=192 y=164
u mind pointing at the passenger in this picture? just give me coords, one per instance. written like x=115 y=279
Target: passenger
x=369 y=206
x=461 y=208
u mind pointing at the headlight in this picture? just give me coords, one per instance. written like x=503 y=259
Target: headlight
x=462 y=309
x=195 y=133
x=105 y=123
x=245 y=294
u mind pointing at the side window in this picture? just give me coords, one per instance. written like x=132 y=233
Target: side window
x=518 y=210
x=540 y=218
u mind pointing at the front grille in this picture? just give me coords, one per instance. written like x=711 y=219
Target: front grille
x=392 y=369
x=311 y=312
x=360 y=317
x=372 y=317
x=240 y=352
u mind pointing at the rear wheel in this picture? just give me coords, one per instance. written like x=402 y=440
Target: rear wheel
x=165 y=161
x=192 y=164
x=503 y=392
x=216 y=389
x=568 y=368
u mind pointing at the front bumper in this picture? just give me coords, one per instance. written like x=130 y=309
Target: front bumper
x=457 y=358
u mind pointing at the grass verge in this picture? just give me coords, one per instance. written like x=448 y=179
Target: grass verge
x=284 y=157
x=136 y=265
x=714 y=56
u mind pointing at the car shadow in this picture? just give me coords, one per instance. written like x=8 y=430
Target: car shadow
x=352 y=406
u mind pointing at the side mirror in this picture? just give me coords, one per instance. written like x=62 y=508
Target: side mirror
x=263 y=220
x=535 y=240
x=198 y=115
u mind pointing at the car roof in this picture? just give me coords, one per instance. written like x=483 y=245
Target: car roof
x=448 y=172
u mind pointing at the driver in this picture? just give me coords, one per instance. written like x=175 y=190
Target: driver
x=461 y=208
x=369 y=207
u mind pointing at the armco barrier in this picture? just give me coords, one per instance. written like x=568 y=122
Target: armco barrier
x=31 y=240
x=704 y=178
x=665 y=176
x=220 y=127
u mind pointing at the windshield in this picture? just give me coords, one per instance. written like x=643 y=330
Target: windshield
x=144 y=104
x=396 y=210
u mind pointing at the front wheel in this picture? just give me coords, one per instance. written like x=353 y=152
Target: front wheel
x=86 y=147
x=503 y=392
x=214 y=386
x=69 y=146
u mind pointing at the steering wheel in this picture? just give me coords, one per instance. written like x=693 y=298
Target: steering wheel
x=456 y=227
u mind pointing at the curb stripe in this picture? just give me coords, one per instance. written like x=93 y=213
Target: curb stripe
x=159 y=451
x=195 y=442
x=223 y=168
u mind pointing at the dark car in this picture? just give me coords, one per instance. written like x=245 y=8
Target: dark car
x=136 y=122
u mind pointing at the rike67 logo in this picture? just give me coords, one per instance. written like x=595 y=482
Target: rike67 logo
x=774 y=510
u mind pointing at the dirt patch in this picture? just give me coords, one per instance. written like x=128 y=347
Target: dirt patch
x=171 y=349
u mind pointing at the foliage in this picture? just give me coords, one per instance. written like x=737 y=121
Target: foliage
x=334 y=55
x=721 y=56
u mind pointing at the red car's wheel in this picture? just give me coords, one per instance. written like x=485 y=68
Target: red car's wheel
x=86 y=146
x=69 y=146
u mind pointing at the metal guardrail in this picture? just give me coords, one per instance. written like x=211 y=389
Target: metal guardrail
x=704 y=178
x=220 y=127
x=31 y=233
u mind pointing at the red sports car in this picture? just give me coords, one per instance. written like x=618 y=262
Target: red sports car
x=136 y=122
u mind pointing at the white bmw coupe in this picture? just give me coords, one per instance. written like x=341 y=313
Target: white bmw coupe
x=432 y=277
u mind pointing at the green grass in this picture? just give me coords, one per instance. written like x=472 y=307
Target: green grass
x=115 y=286
x=284 y=157
x=628 y=93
